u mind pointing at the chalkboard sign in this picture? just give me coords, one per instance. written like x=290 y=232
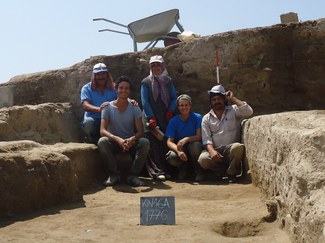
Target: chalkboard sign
x=157 y=210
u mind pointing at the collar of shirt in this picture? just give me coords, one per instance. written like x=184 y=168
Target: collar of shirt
x=223 y=114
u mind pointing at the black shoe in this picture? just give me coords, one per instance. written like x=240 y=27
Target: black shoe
x=232 y=179
x=134 y=181
x=182 y=173
x=199 y=176
x=111 y=180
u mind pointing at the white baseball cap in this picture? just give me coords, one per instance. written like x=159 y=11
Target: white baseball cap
x=218 y=89
x=100 y=67
x=156 y=58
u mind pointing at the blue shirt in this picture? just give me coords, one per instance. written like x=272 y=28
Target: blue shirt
x=122 y=124
x=147 y=107
x=96 y=98
x=178 y=129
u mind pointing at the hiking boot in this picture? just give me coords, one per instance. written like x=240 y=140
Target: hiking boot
x=232 y=179
x=111 y=180
x=134 y=181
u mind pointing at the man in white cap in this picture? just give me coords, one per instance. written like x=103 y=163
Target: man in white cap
x=94 y=96
x=221 y=130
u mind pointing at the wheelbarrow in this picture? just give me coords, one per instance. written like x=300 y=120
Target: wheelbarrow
x=151 y=29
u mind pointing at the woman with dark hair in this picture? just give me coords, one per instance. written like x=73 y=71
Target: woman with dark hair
x=158 y=96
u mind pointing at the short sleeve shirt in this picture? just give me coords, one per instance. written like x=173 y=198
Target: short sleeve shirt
x=178 y=129
x=122 y=124
x=96 y=98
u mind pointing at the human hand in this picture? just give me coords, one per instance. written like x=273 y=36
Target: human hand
x=169 y=115
x=152 y=123
x=134 y=102
x=129 y=142
x=229 y=95
x=103 y=105
x=122 y=143
x=216 y=156
x=181 y=143
x=182 y=156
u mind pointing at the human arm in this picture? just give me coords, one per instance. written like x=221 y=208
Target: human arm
x=244 y=110
x=129 y=142
x=89 y=102
x=171 y=145
x=145 y=101
x=196 y=137
x=195 y=121
x=232 y=99
x=88 y=106
x=104 y=123
x=214 y=154
x=208 y=141
x=172 y=97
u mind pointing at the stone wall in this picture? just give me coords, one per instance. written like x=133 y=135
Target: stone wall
x=35 y=176
x=276 y=68
x=286 y=154
x=46 y=123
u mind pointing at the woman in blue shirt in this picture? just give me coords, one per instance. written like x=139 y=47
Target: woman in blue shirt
x=184 y=139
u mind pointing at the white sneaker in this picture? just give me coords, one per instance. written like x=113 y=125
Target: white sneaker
x=161 y=177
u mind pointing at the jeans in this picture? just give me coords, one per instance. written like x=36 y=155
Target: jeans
x=91 y=127
x=233 y=155
x=192 y=150
x=139 y=151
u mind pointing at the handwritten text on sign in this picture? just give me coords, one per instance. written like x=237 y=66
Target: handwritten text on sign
x=157 y=210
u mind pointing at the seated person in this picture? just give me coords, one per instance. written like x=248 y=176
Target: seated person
x=94 y=96
x=184 y=139
x=221 y=128
x=122 y=131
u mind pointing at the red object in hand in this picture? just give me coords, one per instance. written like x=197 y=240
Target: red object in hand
x=152 y=123
x=169 y=115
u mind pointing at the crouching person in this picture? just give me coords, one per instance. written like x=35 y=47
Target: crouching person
x=122 y=131
x=184 y=139
x=221 y=129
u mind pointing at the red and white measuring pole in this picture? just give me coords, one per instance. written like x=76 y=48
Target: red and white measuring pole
x=217 y=66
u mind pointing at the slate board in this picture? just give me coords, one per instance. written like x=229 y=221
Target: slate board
x=157 y=210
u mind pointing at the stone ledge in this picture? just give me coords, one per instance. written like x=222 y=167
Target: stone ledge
x=35 y=176
x=286 y=154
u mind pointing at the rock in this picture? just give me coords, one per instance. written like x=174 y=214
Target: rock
x=286 y=158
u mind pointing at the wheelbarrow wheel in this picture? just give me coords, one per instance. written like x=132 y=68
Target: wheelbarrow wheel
x=171 y=39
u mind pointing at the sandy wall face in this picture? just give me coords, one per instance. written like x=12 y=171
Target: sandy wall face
x=286 y=154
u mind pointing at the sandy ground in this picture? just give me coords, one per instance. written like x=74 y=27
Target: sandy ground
x=209 y=212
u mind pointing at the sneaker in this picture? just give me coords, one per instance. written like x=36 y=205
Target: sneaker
x=161 y=177
x=134 y=181
x=232 y=179
x=111 y=180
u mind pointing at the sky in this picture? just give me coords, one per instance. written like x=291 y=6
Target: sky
x=41 y=35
